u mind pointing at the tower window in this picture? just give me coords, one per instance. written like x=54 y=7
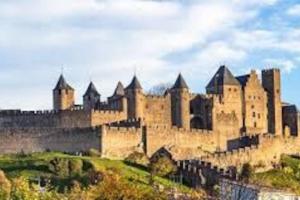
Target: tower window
x=255 y=125
x=59 y=92
x=252 y=106
x=258 y=115
x=229 y=89
x=67 y=91
x=253 y=114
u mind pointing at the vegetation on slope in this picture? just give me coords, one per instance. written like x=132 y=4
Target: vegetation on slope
x=82 y=177
x=285 y=176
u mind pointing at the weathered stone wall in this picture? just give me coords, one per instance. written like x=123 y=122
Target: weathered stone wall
x=290 y=118
x=180 y=106
x=201 y=111
x=227 y=112
x=255 y=106
x=14 y=140
x=99 y=117
x=272 y=84
x=264 y=155
x=157 y=110
x=118 y=142
x=55 y=119
x=181 y=142
x=63 y=99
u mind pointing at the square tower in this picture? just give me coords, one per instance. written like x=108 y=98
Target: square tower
x=272 y=84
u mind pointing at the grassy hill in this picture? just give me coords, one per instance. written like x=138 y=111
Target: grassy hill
x=286 y=176
x=36 y=165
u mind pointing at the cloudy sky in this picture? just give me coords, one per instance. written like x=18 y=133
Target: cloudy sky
x=108 y=40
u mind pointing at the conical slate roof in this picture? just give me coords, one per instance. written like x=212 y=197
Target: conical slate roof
x=135 y=84
x=243 y=79
x=180 y=83
x=91 y=90
x=223 y=77
x=119 y=91
x=62 y=84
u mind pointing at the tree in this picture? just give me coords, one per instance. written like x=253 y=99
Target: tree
x=162 y=166
x=159 y=89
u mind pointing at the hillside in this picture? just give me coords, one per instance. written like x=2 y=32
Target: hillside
x=36 y=165
x=286 y=176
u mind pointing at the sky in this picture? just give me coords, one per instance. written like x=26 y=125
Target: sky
x=110 y=40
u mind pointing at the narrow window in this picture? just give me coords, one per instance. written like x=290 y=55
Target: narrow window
x=253 y=114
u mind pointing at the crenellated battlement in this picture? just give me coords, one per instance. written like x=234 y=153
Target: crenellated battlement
x=131 y=122
x=107 y=112
x=156 y=97
x=178 y=129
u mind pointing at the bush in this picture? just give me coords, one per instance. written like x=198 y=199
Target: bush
x=94 y=153
x=59 y=166
x=162 y=166
x=137 y=158
x=5 y=186
x=75 y=167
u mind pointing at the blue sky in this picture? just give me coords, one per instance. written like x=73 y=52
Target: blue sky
x=106 y=40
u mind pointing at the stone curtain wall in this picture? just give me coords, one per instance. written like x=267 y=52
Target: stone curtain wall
x=263 y=155
x=61 y=119
x=119 y=142
x=55 y=119
x=182 y=143
x=100 y=117
x=28 y=140
x=157 y=110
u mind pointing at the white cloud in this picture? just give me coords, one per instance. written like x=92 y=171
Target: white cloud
x=294 y=10
x=107 y=39
x=286 y=65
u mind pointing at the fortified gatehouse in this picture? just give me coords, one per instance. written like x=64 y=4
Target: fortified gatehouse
x=239 y=119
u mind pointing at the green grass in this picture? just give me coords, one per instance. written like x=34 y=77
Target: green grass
x=287 y=177
x=36 y=164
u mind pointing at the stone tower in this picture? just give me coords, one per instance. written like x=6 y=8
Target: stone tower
x=272 y=84
x=135 y=99
x=227 y=114
x=180 y=103
x=63 y=95
x=91 y=97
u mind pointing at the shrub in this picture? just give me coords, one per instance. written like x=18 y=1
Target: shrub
x=5 y=186
x=75 y=167
x=162 y=166
x=288 y=170
x=94 y=153
x=59 y=166
x=138 y=158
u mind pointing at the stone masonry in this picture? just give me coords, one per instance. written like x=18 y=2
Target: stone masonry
x=239 y=119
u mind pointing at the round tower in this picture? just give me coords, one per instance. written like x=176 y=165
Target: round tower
x=90 y=97
x=63 y=95
x=180 y=103
x=135 y=99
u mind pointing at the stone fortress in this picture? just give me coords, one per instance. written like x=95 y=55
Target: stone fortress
x=239 y=119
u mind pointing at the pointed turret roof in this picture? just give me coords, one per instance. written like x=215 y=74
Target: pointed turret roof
x=180 y=83
x=119 y=91
x=135 y=84
x=91 y=90
x=62 y=84
x=243 y=79
x=223 y=77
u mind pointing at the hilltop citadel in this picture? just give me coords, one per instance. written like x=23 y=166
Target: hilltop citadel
x=239 y=119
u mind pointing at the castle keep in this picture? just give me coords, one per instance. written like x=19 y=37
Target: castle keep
x=238 y=117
